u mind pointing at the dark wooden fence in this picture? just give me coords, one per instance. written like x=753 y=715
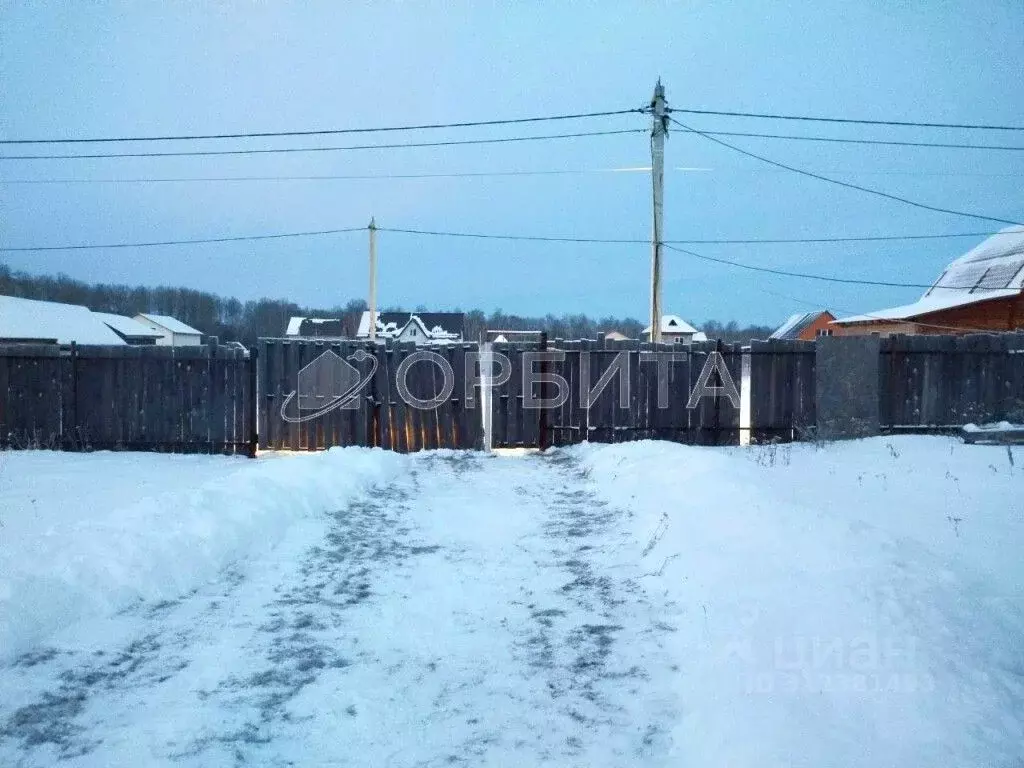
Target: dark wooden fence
x=179 y=399
x=780 y=388
x=938 y=382
x=628 y=406
x=513 y=426
x=206 y=398
x=302 y=416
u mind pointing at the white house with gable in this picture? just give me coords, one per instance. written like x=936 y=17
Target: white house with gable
x=173 y=332
x=414 y=327
x=674 y=328
x=131 y=331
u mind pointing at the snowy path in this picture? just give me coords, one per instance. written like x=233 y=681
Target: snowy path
x=473 y=611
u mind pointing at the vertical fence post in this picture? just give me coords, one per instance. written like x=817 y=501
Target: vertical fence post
x=717 y=423
x=69 y=432
x=211 y=395
x=253 y=404
x=543 y=439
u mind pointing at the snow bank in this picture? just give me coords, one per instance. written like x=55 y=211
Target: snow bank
x=997 y=427
x=856 y=604
x=87 y=534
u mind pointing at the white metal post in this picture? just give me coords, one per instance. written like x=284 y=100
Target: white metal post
x=373 y=280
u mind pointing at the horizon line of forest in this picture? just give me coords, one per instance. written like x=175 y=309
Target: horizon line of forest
x=231 y=319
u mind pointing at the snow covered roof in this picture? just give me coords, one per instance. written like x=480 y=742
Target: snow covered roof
x=927 y=305
x=29 y=320
x=993 y=269
x=172 y=324
x=673 y=324
x=795 y=324
x=316 y=327
x=436 y=325
x=127 y=327
x=995 y=264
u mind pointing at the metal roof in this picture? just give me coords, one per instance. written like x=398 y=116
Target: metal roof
x=125 y=326
x=172 y=324
x=27 y=319
x=795 y=324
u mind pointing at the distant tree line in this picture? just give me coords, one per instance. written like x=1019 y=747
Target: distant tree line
x=233 y=320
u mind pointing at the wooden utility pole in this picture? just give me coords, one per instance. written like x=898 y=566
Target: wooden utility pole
x=658 y=131
x=373 y=280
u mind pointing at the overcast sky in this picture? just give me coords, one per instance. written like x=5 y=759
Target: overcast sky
x=137 y=68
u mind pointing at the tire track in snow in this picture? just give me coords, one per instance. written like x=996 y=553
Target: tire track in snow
x=595 y=637
x=472 y=612
x=284 y=634
x=305 y=636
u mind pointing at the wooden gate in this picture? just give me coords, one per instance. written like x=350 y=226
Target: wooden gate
x=316 y=394
x=616 y=391
x=781 y=388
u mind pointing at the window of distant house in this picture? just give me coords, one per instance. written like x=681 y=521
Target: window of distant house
x=824 y=331
x=412 y=331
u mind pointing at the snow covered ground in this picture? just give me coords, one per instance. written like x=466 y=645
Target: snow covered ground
x=850 y=604
x=88 y=534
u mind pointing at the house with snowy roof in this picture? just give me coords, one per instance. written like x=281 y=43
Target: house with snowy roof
x=130 y=331
x=416 y=327
x=805 y=326
x=674 y=328
x=979 y=291
x=27 y=321
x=173 y=332
x=315 y=328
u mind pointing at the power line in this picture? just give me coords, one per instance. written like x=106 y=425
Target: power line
x=848 y=120
x=855 y=239
x=402 y=176
x=292 y=150
x=883 y=172
x=534 y=238
x=808 y=276
x=512 y=139
x=328 y=132
x=785 y=273
x=487 y=236
x=349 y=177
x=151 y=244
x=846 y=184
x=883 y=142
x=92 y=246
x=721 y=241
x=877 y=317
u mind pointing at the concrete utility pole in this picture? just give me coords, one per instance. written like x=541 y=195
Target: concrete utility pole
x=373 y=280
x=659 y=130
